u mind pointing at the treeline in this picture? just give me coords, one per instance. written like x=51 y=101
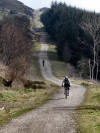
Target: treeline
x=76 y=34
x=15 y=47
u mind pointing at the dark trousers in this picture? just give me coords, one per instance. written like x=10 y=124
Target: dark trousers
x=66 y=91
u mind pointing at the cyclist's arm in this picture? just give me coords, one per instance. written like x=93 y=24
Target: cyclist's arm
x=62 y=83
x=69 y=82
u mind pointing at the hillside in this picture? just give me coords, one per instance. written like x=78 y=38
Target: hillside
x=14 y=6
x=44 y=9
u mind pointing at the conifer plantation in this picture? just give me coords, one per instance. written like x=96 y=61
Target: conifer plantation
x=76 y=34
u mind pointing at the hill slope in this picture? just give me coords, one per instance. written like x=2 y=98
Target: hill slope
x=15 y=6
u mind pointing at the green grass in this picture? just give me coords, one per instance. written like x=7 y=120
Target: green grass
x=35 y=72
x=36 y=47
x=18 y=101
x=59 y=68
x=89 y=110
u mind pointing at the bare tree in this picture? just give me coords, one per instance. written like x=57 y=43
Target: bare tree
x=92 y=25
x=15 y=46
x=90 y=68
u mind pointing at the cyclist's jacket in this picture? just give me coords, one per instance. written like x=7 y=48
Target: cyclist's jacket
x=65 y=83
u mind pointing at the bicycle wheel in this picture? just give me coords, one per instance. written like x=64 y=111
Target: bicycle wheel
x=66 y=93
x=65 y=96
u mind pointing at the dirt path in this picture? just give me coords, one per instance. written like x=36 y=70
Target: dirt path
x=57 y=116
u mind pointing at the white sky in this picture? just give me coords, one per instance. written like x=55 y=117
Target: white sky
x=93 y=5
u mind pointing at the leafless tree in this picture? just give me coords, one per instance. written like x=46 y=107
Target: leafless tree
x=15 y=46
x=92 y=25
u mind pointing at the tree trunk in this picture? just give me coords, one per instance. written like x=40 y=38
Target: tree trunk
x=97 y=70
x=90 y=69
x=94 y=60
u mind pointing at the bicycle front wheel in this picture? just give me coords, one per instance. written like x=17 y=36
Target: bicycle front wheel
x=66 y=93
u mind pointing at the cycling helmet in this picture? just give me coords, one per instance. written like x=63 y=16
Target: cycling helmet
x=66 y=77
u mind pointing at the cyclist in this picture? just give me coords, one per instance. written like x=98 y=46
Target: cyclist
x=66 y=85
x=43 y=62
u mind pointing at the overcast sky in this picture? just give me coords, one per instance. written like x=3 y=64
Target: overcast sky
x=85 y=4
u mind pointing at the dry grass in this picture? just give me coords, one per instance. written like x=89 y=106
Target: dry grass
x=18 y=101
x=89 y=110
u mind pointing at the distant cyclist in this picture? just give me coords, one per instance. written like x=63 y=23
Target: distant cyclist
x=66 y=85
x=43 y=62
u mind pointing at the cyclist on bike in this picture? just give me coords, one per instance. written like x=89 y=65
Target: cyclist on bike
x=43 y=62
x=66 y=85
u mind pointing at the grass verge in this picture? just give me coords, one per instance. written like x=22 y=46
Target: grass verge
x=35 y=72
x=18 y=101
x=89 y=111
x=59 y=68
